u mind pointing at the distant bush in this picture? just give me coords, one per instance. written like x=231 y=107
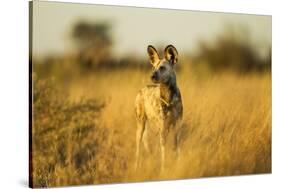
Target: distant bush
x=233 y=51
x=93 y=42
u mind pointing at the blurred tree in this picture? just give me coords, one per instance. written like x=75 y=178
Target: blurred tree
x=232 y=50
x=93 y=41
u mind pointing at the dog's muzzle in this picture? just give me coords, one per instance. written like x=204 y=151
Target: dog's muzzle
x=154 y=77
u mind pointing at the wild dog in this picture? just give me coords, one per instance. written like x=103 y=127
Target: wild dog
x=159 y=104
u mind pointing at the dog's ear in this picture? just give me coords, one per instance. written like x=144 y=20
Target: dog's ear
x=153 y=55
x=171 y=54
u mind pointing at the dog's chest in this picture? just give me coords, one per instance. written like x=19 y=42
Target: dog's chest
x=157 y=110
x=152 y=104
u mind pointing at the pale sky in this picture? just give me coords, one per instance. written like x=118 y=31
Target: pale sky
x=135 y=28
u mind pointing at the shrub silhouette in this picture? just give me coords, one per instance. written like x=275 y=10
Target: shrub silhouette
x=233 y=51
x=93 y=42
x=65 y=136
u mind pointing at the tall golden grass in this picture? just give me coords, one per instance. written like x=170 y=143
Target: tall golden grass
x=226 y=128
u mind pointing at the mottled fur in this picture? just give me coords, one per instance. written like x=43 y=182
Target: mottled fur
x=159 y=104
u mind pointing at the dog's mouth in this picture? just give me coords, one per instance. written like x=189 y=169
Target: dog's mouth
x=154 y=80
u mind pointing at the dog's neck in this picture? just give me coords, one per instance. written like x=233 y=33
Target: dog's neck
x=168 y=91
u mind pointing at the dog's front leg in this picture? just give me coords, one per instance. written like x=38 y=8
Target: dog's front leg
x=139 y=135
x=163 y=136
x=177 y=144
x=177 y=138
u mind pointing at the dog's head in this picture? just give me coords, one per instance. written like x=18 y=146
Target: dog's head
x=163 y=68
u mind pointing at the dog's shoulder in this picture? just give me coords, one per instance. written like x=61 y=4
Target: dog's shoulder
x=150 y=90
x=151 y=86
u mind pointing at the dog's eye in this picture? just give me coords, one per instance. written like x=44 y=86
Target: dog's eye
x=162 y=68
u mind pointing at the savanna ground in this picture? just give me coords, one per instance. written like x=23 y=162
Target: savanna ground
x=84 y=127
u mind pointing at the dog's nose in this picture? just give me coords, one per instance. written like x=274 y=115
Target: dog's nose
x=153 y=76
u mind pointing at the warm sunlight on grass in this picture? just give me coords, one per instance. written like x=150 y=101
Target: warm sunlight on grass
x=226 y=130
